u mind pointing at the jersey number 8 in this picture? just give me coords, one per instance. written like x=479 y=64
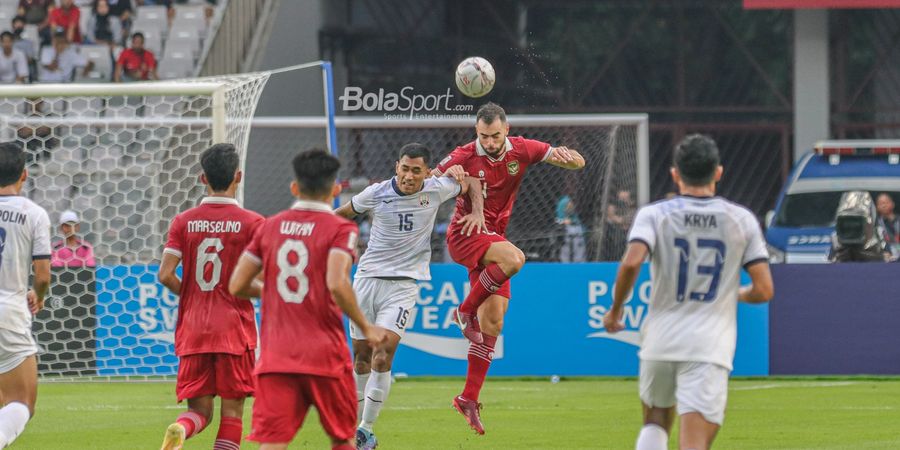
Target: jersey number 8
x=288 y=270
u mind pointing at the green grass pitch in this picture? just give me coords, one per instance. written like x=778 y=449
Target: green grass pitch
x=814 y=413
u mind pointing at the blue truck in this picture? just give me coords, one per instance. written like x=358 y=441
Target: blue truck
x=799 y=230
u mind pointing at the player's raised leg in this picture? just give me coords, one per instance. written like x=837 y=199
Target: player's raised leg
x=18 y=388
x=500 y=262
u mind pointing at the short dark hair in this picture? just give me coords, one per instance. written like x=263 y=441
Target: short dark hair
x=18 y=19
x=315 y=171
x=6 y=34
x=220 y=162
x=489 y=112
x=416 y=150
x=138 y=34
x=696 y=158
x=12 y=163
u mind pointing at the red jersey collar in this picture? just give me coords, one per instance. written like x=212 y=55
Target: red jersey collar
x=312 y=206
x=219 y=201
x=479 y=150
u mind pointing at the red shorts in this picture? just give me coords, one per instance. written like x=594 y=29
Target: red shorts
x=468 y=251
x=228 y=376
x=282 y=400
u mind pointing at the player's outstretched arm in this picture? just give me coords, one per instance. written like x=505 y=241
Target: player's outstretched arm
x=629 y=268
x=243 y=282
x=346 y=211
x=762 y=289
x=338 y=280
x=40 y=285
x=566 y=158
x=474 y=221
x=167 y=275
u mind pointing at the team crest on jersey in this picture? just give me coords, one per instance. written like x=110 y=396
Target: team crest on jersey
x=423 y=200
x=512 y=167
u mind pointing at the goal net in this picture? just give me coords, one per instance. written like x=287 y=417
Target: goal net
x=125 y=158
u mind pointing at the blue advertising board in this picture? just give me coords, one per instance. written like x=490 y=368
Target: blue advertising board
x=553 y=325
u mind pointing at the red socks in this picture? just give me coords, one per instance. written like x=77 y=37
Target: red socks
x=229 y=436
x=193 y=423
x=490 y=279
x=480 y=356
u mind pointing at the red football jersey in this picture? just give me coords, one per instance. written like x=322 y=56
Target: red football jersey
x=209 y=239
x=500 y=178
x=301 y=329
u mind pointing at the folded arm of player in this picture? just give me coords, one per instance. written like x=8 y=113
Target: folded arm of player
x=762 y=289
x=338 y=280
x=473 y=221
x=566 y=158
x=40 y=285
x=167 y=275
x=629 y=268
x=243 y=282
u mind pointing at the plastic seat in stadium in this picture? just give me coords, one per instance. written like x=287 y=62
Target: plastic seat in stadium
x=195 y=23
x=7 y=12
x=154 y=16
x=103 y=64
x=183 y=39
x=84 y=18
x=177 y=50
x=170 y=69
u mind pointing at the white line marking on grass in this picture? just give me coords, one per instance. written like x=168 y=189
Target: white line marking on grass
x=117 y=408
x=812 y=384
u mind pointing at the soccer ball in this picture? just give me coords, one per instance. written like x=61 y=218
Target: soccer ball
x=475 y=77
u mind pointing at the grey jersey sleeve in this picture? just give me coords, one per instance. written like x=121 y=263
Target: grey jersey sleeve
x=365 y=200
x=447 y=188
x=644 y=228
x=756 y=250
x=41 y=235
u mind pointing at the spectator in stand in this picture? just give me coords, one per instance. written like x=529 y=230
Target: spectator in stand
x=573 y=248
x=136 y=63
x=103 y=27
x=71 y=251
x=22 y=43
x=121 y=9
x=13 y=64
x=37 y=12
x=888 y=219
x=58 y=63
x=68 y=17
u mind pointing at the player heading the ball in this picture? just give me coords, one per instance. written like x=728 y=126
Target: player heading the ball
x=697 y=244
x=404 y=209
x=499 y=161
x=215 y=336
x=305 y=254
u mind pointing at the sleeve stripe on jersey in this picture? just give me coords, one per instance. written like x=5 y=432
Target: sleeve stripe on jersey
x=549 y=151
x=40 y=257
x=172 y=251
x=353 y=207
x=755 y=261
x=252 y=257
x=344 y=250
x=641 y=241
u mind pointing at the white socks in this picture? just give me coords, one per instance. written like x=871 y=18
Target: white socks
x=13 y=418
x=361 y=381
x=652 y=437
x=376 y=393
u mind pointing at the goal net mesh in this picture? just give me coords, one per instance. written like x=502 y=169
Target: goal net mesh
x=126 y=164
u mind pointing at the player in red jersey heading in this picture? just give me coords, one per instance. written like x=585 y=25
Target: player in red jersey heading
x=500 y=162
x=215 y=336
x=305 y=254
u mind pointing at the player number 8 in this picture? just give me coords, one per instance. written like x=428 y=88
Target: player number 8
x=286 y=270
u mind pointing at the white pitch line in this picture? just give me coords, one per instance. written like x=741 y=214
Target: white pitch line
x=789 y=385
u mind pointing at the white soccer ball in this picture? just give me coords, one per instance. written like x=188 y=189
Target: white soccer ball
x=475 y=77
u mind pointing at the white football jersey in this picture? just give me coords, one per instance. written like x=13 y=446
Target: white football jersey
x=400 y=240
x=698 y=246
x=24 y=236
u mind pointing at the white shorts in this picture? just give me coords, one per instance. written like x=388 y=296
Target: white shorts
x=694 y=386
x=385 y=303
x=14 y=348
